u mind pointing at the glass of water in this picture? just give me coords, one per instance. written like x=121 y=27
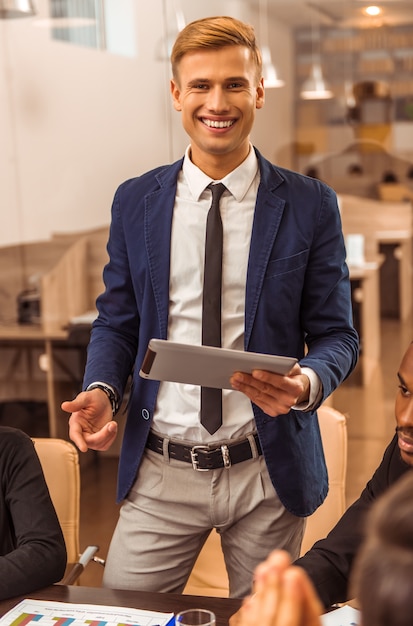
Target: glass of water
x=195 y=617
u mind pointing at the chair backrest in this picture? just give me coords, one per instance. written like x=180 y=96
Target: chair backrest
x=333 y=427
x=60 y=463
x=209 y=576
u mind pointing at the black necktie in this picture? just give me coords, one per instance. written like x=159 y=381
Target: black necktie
x=211 y=399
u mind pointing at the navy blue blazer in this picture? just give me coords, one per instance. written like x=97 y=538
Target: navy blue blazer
x=297 y=295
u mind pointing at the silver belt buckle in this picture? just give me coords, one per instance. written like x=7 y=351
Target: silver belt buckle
x=225 y=456
x=194 y=458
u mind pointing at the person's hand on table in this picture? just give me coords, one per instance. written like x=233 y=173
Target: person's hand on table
x=275 y=394
x=283 y=596
x=91 y=425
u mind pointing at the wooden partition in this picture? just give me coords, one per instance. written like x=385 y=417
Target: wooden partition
x=64 y=288
x=71 y=287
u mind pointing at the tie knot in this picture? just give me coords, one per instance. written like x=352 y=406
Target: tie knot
x=217 y=190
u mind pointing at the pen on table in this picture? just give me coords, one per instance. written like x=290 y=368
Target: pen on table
x=78 y=567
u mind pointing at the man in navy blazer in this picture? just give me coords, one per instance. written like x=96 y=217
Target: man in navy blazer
x=286 y=291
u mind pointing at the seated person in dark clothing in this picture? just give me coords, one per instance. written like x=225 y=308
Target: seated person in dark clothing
x=32 y=547
x=330 y=560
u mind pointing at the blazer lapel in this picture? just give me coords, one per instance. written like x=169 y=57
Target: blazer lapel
x=269 y=209
x=159 y=206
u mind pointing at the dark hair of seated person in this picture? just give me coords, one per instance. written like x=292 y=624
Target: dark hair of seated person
x=32 y=547
x=382 y=579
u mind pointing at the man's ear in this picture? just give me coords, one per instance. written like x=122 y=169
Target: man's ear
x=260 y=95
x=175 y=93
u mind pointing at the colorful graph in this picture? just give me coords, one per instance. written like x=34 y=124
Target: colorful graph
x=43 y=613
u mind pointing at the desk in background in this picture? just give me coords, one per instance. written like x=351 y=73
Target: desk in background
x=70 y=269
x=21 y=346
x=163 y=602
x=366 y=301
x=384 y=224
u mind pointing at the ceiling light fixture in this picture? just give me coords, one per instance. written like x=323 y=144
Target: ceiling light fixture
x=269 y=71
x=372 y=11
x=10 y=9
x=315 y=87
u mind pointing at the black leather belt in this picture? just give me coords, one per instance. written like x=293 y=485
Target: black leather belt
x=203 y=457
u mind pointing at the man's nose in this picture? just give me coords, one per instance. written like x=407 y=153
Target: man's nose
x=405 y=415
x=217 y=100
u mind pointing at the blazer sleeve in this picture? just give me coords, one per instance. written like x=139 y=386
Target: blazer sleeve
x=328 y=563
x=32 y=547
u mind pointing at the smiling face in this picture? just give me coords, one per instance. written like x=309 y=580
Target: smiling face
x=404 y=407
x=218 y=92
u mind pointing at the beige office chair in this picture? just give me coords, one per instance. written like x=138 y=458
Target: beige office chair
x=209 y=576
x=333 y=427
x=60 y=463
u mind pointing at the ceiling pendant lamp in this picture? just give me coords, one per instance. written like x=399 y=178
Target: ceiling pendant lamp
x=315 y=87
x=269 y=71
x=10 y=9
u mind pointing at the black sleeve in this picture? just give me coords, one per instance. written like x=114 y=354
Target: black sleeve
x=329 y=561
x=32 y=547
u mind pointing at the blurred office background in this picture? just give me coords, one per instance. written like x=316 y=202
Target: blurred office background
x=84 y=97
x=85 y=104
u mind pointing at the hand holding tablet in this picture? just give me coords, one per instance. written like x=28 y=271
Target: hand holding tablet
x=205 y=365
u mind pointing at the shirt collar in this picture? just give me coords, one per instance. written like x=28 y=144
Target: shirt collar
x=237 y=182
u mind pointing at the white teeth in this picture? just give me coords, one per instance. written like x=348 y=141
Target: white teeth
x=214 y=124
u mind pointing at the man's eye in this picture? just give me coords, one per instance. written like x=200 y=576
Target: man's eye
x=404 y=390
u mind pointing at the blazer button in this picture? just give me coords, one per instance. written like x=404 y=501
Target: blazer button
x=145 y=414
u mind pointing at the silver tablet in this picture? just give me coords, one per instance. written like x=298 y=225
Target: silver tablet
x=205 y=365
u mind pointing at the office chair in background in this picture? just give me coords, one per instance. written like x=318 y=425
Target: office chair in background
x=60 y=463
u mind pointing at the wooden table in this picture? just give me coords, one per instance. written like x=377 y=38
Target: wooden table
x=26 y=338
x=163 y=602
x=384 y=223
x=367 y=296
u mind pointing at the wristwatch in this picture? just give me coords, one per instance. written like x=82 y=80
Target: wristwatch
x=110 y=392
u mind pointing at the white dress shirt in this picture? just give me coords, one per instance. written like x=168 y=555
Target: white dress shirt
x=177 y=411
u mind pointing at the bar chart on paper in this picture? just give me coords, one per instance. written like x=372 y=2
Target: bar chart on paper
x=42 y=613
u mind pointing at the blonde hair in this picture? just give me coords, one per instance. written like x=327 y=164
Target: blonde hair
x=212 y=33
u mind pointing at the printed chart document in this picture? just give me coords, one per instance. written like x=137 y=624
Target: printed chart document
x=344 y=616
x=44 y=613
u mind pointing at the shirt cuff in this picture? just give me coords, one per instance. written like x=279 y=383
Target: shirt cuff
x=316 y=391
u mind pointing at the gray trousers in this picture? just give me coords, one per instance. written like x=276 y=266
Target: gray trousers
x=170 y=511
